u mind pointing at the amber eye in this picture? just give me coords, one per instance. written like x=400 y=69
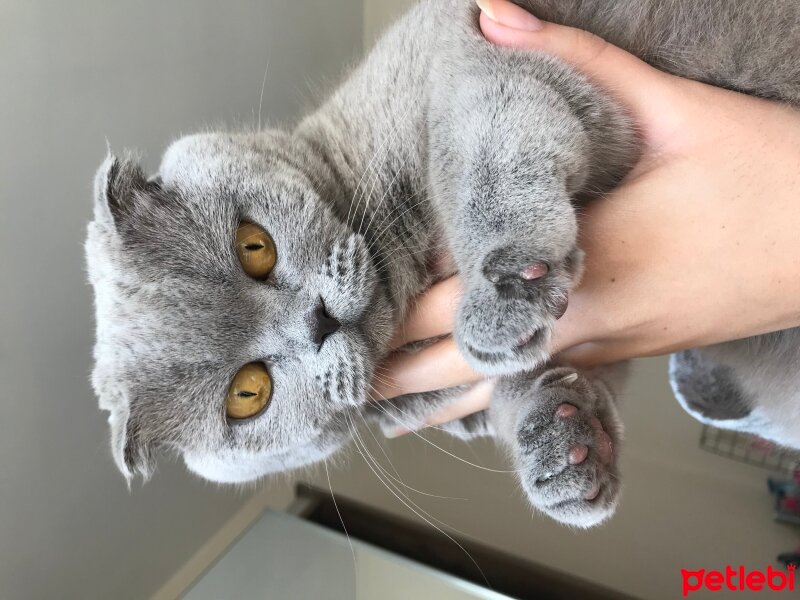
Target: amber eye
x=249 y=392
x=255 y=250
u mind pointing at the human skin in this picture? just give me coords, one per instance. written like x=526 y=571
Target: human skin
x=699 y=244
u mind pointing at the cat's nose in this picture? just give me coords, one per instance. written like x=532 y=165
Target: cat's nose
x=322 y=325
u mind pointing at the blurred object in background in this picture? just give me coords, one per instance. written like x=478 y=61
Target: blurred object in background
x=748 y=449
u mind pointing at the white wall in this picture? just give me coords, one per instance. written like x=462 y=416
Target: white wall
x=379 y=13
x=138 y=74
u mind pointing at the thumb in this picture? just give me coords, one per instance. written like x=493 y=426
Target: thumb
x=645 y=91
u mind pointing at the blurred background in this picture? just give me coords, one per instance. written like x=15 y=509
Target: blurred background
x=79 y=75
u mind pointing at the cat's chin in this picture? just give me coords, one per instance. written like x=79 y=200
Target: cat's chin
x=237 y=466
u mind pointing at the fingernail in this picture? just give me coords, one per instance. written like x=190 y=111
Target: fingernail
x=510 y=15
x=486 y=6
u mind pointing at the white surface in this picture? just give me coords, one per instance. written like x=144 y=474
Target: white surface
x=282 y=556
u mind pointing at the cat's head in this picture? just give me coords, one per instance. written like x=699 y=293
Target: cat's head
x=178 y=315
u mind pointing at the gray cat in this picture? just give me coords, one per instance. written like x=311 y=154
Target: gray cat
x=245 y=295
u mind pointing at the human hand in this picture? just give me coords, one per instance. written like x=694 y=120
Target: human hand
x=697 y=246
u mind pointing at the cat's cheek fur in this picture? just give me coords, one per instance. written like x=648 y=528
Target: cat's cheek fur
x=238 y=466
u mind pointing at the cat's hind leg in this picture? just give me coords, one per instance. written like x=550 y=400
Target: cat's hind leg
x=750 y=385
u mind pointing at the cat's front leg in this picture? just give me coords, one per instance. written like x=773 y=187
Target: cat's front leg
x=515 y=141
x=414 y=412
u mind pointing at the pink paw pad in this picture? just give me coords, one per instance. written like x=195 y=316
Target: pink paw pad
x=578 y=454
x=534 y=271
x=566 y=410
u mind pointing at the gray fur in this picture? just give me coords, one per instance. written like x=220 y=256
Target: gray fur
x=750 y=385
x=709 y=389
x=437 y=139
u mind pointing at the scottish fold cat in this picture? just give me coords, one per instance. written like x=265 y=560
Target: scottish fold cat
x=245 y=295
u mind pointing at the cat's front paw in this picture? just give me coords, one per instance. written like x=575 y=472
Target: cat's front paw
x=567 y=446
x=509 y=308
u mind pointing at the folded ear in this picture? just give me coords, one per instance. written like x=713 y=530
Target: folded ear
x=130 y=445
x=117 y=184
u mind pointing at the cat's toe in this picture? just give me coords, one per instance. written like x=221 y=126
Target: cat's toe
x=507 y=314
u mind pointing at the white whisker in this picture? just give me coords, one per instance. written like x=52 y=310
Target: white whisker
x=341 y=520
x=391 y=464
x=419 y=511
x=427 y=441
x=261 y=97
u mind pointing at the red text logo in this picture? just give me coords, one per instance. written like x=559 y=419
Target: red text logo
x=737 y=580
